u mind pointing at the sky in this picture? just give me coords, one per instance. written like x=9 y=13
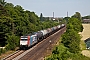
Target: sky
x=59 y=7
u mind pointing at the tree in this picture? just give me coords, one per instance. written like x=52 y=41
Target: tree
x=2 y=2
x=71 y=39
x=15 y=22
x=9 y=5
x=60 y=53
x=3 y=11
x=78 y=16
x=6 y=26
x=86 y=17
x=18 y=7
x=41 y=17
x=12 y=42
x=66 y=18
x=74 y=23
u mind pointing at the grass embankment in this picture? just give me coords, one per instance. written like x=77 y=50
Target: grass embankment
x=6 y=54
x=82 y=45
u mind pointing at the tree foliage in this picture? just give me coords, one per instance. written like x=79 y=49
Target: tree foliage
x=64 y=54
x=2 y=2
x=15 y=21
x=74 y=23
x=86 y=17
x=78 y=16
x=41 y=17
x=60 y=53
x=70 y=50
x=12 y=41
x=71 y=39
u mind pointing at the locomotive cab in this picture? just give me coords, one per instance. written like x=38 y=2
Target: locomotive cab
x=24 y=41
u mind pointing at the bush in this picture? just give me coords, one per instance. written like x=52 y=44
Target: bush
x=60 y=53
x=71 y=39
x=12 y=42
x=79 y=56
x=64 y=54
x=2 y=50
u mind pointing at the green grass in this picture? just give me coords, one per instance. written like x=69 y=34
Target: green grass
x=82 y=45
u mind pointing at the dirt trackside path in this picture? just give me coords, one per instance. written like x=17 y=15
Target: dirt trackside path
x=86 y=53
x=85 y=34
x=86 y=31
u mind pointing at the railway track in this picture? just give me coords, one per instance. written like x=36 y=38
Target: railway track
x=12 y=56
x=36 y=52
x=39 y=51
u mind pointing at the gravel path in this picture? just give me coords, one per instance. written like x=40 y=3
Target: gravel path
x=86 y=31
x=85 y=34
x=86 y=53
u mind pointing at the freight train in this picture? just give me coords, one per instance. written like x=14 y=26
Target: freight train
x=29 y=40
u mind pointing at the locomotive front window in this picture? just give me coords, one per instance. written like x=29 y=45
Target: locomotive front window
x=24 y=39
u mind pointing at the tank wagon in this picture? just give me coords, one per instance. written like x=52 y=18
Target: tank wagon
x=31 y=39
